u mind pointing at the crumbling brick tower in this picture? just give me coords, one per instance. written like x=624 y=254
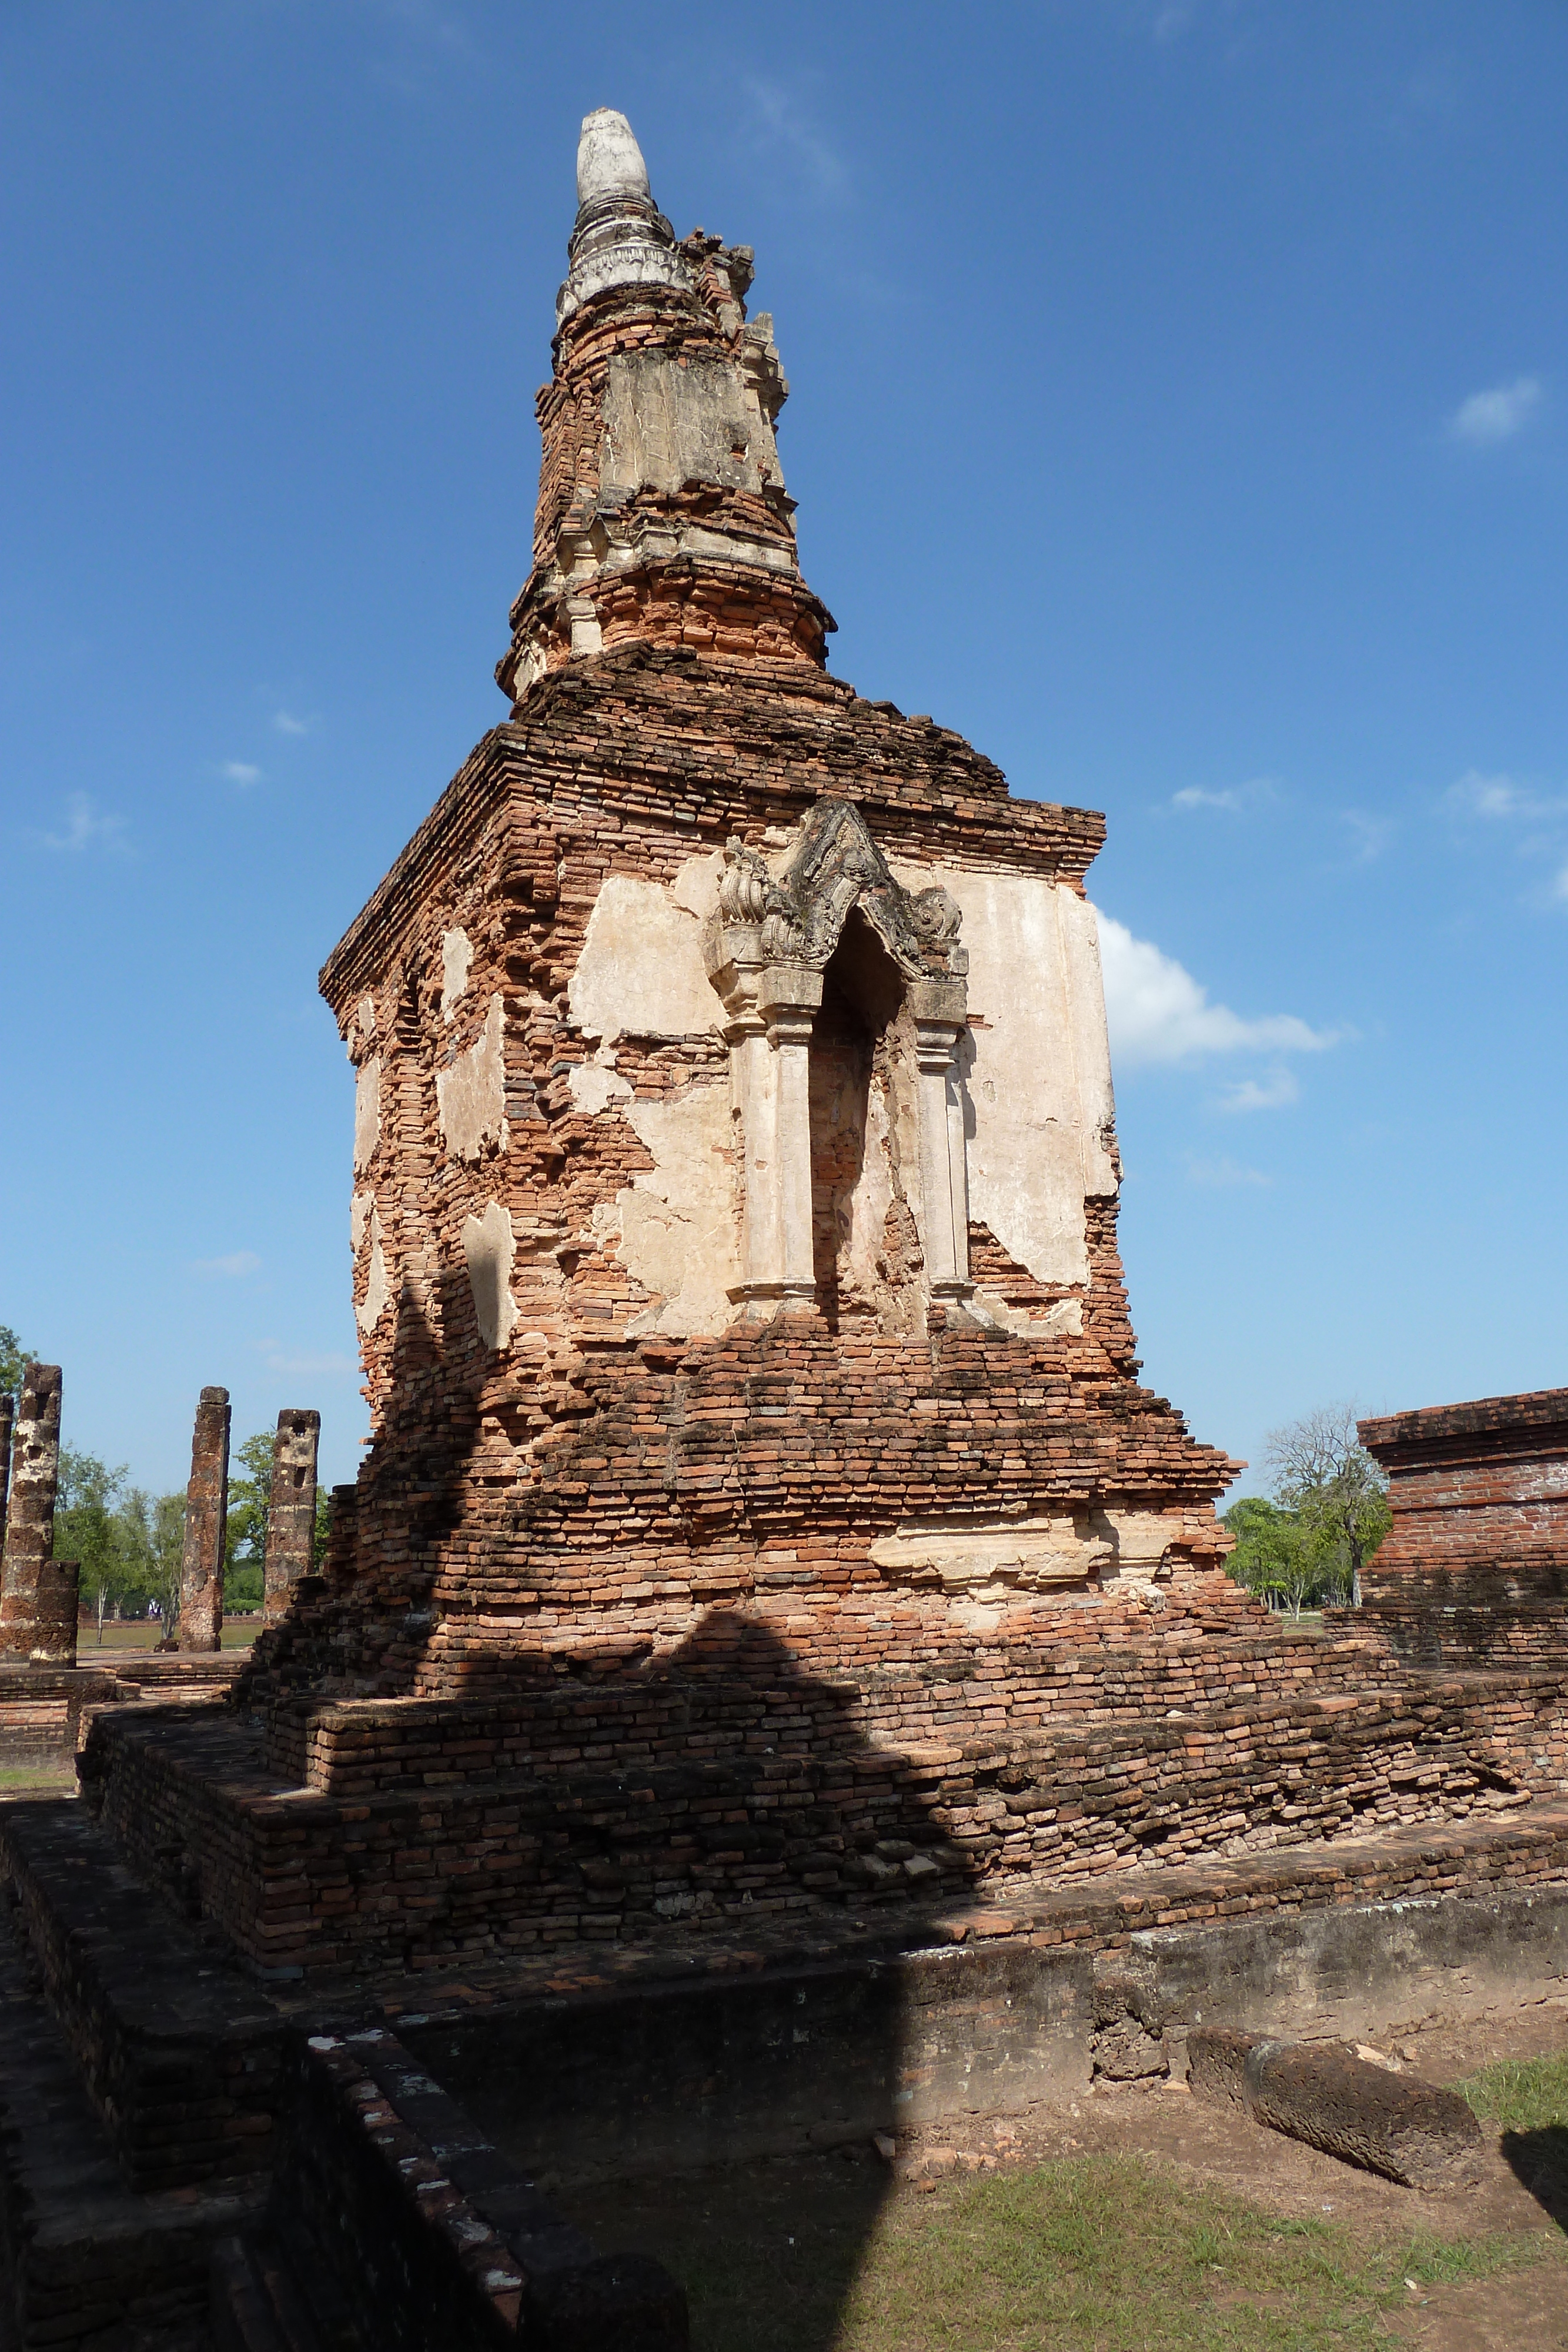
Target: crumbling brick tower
x=734 y=1163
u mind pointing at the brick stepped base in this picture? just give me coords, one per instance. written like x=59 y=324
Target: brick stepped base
x=425 y=1850
x=85 y=2254
x=258 y=2303
x=176 y=2048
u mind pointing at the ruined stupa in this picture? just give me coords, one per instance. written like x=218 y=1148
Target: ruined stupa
x=735 y=1158
x=775 y=1677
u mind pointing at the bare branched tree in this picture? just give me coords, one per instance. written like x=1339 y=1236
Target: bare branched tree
x=1325 y=1474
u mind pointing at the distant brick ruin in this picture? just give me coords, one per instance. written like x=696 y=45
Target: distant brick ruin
x=774 y=1675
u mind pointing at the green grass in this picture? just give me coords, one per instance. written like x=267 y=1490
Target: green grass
x=1107 y=2254
x=1096 y=2253
x=37 y=1776
x=1520 y=2093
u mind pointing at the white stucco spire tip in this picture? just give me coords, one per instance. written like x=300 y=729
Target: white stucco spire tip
x=609 y=160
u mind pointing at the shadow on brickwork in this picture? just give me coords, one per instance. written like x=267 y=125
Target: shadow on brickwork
x=722 y=1876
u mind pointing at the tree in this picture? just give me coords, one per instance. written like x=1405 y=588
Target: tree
x=250 y=1499
x=1272 y=1558
x=88 y=1526
x=1323 y=1473
x=13 y=1360
x=166 y=1557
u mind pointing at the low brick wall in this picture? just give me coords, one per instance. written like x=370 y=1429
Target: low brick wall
x=1479 y=1497
x=400 y=2218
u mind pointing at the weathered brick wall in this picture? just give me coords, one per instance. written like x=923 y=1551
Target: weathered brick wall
x=406 y=2227
x=628 y=1810
x=1476 y=1563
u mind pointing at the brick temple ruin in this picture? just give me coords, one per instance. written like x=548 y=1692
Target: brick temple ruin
x=774 y=1674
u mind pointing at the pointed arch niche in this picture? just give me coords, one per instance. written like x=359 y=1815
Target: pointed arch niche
x=845 y=999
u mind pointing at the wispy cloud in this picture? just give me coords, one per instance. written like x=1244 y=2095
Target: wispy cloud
x=781 y=123
x=1234 y=798
x=87 y=828
x=238 y=1262
x=1224 y=1174
x=1172 y=20
x=1158 y=1013
x=287 y=723
x=1275 y=1092
x=1369 y=834
x=1498 y=415
x=240 y=772
x=1500 y=796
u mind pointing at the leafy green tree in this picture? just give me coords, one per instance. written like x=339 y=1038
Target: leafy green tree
x=88 y=1526
x=1272 y=1555
x=322 y=1534
x=165 y=1557
x=250 y=1498
x=1325 y=1474
x=13 y=1360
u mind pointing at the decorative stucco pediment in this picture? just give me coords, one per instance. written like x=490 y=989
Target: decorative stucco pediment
x=791 y=911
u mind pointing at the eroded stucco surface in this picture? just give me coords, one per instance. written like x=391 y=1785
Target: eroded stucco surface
x=1037 y=1064
x=367 y=1112
x=471 y=1096
x=370 y=1309
x=456 y=962
x=674 y=1227
x=640 y=971
x=490 y=1251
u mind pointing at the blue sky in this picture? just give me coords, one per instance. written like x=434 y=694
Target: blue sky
x=1179 y=409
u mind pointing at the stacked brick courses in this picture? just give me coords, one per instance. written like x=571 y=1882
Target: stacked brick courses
x=1475 y=1566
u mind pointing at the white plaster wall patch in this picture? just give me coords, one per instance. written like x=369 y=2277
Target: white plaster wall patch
x=367 y=1112
x=456 y=962
x=594 y=1088
x=678 y=1229
x=373 y=1305
x=490 y=1251
x=641 y=971
x=1037 y=1066
x=471 y=1096
x=695 y=886
x=359 y=1210
x=1030 y=1555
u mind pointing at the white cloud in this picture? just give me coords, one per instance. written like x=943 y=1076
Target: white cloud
x=1158 y=1013
x=1560 y=887
x=1224 y=1174
x=780 y=123
x=1498 y=415
x=1500 y=796
x=87 y=828
x=286 y=724
x=1369 y=834
x=238 y=1262
x=240 y=772
x=1274 y=1092
x=1231 y=797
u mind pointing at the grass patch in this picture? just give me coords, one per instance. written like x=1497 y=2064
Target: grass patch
x=1520 y=2093
x=37 y=1776
x=1098 y=2253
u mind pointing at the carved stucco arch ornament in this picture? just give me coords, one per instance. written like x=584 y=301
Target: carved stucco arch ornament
x=767 y=947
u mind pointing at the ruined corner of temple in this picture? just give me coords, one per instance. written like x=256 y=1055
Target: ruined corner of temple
x=770 y=1604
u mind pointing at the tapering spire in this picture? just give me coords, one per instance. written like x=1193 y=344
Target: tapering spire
x=662 y=512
